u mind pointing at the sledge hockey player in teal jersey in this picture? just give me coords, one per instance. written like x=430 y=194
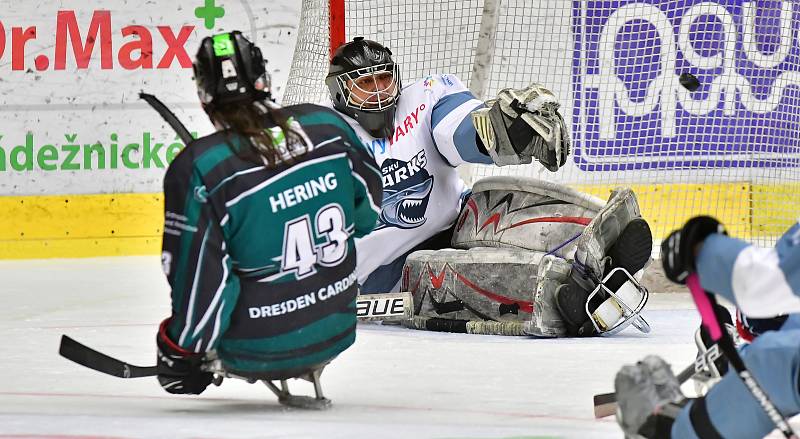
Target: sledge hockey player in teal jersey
x=260 y=219
x=763 y=283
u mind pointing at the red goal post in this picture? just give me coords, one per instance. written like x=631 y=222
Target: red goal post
x=337 y=31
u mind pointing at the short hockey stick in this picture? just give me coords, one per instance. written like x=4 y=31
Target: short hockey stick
x=390 y=306
x=605 y=404
x=705 y=305
x=86 y=356
x=168 y=116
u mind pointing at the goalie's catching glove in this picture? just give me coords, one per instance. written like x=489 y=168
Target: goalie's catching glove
x=179 y=370
x=521 y=125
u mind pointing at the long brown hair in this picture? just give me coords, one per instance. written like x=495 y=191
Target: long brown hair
x=247 y=120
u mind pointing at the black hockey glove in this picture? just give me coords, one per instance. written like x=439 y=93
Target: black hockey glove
x=179 y=370
x=678 y=250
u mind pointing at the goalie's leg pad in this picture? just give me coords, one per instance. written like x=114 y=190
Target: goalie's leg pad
x=479 y=284
x=591 y=256
x=632 y=251
x=546 y=320
x=605 y=229
x=524 y=213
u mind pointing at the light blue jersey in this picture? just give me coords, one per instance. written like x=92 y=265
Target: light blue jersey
x=762 y=283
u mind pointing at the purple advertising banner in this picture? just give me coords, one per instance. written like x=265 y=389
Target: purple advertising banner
x=631 y=112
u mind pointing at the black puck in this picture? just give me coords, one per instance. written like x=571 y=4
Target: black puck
x=689 y=81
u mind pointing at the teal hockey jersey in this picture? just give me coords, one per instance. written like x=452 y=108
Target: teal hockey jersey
x=261 y=260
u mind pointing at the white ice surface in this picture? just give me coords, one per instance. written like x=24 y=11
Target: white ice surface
x=393 y=383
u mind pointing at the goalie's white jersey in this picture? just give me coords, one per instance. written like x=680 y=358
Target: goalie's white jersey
x=421 y=188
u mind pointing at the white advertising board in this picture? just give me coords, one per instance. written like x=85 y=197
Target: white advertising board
x=71 y=72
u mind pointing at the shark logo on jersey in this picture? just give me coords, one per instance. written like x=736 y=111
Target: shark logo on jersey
x=406 y=208
x=406 y=190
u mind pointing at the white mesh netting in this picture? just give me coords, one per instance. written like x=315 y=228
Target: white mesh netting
x=730 y=149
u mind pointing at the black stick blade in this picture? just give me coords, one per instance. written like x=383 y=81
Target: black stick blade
x=88 y=357
x=605 y=404
x=168 y=116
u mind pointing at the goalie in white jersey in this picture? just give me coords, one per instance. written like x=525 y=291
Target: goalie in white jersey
x=418 y=135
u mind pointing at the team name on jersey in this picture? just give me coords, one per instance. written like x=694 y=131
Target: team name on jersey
x=404 y=126
x=410 y=122
x=399 y=171
x=305 y=300
x=302 y=192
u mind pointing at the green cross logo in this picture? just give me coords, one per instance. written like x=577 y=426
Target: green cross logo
x=209 y=13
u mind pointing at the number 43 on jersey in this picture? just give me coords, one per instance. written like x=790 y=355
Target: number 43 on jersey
x=301 y=254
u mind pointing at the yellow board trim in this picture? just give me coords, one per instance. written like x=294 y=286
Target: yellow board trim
x=775 y=208
x=79 y=247
x=749 y=211
x=668 y=206
x=70 y=226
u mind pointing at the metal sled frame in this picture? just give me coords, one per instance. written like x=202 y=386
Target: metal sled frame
x=280 y=387
x=706 y=372
x=630 y=315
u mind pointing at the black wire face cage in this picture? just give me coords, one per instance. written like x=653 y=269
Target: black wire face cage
x=376 y=99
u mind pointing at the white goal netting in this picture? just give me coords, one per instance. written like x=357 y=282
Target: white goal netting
x=730 y=149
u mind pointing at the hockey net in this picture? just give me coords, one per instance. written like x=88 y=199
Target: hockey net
x=729 y=149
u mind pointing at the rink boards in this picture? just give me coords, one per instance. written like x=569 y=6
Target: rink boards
x=60 y=226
